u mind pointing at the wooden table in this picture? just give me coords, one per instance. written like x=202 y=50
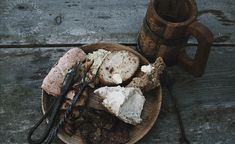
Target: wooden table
x=34 y=34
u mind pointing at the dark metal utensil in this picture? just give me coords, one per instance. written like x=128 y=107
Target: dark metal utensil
x=67 y=113
x=167 y=81
x=54 y=109
x=85 y=83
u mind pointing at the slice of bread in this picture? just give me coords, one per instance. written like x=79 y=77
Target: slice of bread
x=118 y=67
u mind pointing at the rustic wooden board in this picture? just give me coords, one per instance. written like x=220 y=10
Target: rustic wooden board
x=207 y=104
x=22 y=71
x=215 y=87
x=77 y=21
x=20 y=78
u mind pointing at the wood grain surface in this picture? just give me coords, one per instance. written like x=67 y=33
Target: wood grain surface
x=207 y=103
x=27 y=22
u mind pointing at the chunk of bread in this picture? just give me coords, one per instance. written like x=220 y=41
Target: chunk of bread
x=52 y=83
x=150 y=77
x=125 y=103
x=118 y=67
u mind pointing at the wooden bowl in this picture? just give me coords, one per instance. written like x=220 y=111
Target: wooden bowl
x=151 y=107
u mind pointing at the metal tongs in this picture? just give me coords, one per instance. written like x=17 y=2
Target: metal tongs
x=50 y=133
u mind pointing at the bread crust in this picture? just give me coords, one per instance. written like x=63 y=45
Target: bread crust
x=123 y=63
x=149 y=81
x=52 y=83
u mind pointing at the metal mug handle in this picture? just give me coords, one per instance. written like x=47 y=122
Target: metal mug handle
x=204 y=37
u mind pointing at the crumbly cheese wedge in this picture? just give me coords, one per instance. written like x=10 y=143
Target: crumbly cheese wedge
x=125 y=103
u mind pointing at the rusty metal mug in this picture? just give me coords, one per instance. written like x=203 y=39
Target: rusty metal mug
x=166 y=29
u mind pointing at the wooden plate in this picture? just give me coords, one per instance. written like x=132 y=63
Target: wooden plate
x=151 y=106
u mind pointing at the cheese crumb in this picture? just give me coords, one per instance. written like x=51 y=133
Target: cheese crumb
x=117 y=78
x=146 y=69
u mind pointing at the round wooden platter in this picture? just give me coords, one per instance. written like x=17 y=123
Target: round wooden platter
x=151 y=107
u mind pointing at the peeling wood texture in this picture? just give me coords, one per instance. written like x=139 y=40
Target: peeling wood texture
x=89 y=21
x=207 y=104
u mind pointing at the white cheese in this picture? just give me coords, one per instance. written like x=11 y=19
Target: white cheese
x=117 y=78
x=146 y=69
x=126 y=103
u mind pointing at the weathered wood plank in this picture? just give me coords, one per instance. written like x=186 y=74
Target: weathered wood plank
x=20 y=78
x=77 y=21
x=207 y=103
x=22 y=71
x=215 y=87
x=219 y=16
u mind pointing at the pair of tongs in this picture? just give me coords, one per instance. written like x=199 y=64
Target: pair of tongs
x=49 y=132
x=85 y=82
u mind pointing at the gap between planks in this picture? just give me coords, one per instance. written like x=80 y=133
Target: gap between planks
x=80 y=44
